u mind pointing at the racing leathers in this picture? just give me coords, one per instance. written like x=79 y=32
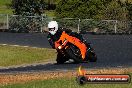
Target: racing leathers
x=53 y=38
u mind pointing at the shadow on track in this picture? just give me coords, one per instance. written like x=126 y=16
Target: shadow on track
x=55 y=67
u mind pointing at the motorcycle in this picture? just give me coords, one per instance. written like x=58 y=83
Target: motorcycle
x=71 y=47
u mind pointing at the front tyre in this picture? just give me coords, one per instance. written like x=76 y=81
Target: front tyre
x=61 y=59
x=73 y=54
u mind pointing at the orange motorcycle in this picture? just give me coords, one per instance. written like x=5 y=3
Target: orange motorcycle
x=71 y=47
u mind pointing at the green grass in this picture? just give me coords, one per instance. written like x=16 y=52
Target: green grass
x=3 y=7
x=50 y=13
x=4 y=2
x=11 y=55
x=64 y=83
x=6 y=11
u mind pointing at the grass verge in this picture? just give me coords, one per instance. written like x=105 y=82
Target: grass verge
x=50 y=13
x=12 y=55
x=58 y=79
x=64 y=83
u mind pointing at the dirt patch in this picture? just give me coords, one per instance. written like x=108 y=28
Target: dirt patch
x=26 y=77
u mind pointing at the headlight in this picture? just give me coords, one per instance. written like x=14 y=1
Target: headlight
x=59 y=47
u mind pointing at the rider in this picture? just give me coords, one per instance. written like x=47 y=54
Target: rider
x=55 y=33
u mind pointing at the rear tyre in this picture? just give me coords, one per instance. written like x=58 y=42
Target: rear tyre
x=92 y=57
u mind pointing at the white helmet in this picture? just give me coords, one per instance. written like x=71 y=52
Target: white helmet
x=53 y=27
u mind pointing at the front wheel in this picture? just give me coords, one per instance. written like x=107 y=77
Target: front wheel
x=74 y=53
x=61 y=59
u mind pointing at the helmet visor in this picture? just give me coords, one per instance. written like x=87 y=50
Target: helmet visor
x=51 y=29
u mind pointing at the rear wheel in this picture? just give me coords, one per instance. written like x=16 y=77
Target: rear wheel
x=92 y=57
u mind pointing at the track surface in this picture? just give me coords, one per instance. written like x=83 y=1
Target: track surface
x=112 y=51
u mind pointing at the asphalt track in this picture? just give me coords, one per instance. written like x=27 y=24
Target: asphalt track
x=112 y=51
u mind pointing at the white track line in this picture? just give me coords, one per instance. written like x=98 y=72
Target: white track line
x=17 y=45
